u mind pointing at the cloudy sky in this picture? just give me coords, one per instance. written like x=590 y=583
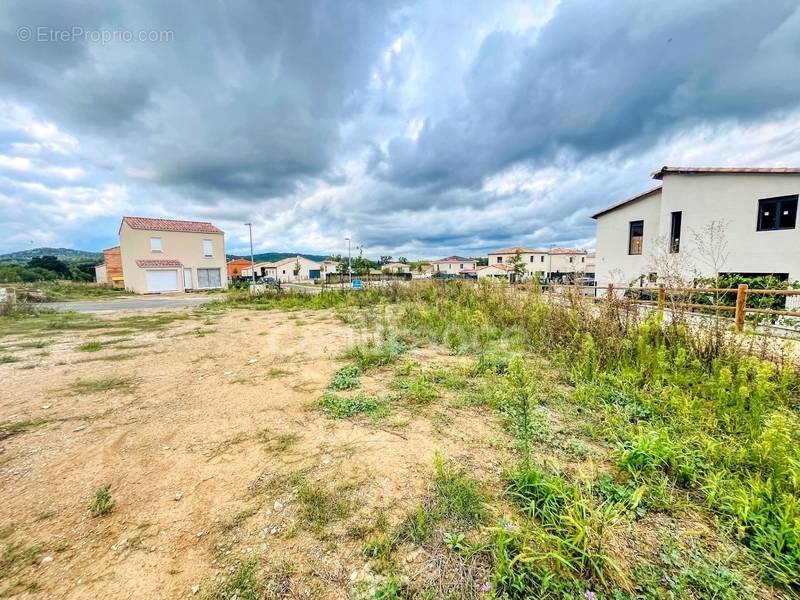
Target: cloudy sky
x=420 y=128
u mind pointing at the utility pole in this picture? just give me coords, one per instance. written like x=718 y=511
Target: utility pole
x=252 y=259
x=349 y=263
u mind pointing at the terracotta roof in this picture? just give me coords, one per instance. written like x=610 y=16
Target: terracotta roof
x=171 y=225
x=158 y=263
x=501 y=266
x=110 y=248
x=567 y=251
x=641 y=196
x=291 y=259
x=239 y=261
x=450 y=259
x=520 y=249
x=723 y=170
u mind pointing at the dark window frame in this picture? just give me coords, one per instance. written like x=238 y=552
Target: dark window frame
x=676 y=221
x=639 y=224
x=779 y=203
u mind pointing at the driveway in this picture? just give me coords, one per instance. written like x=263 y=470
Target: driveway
x=134 y=303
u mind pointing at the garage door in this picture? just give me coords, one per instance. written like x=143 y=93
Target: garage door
x=162 y=281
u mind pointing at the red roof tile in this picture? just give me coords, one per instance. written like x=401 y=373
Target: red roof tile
x=520 y=249
x=170 y=225
x=688 y=170
x=452 y=259
x=159 y=263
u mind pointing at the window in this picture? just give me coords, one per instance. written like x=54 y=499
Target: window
x=571 y=259
x=675 y=232
x=499 y=259
x=777 y=213
x=583 y=259
x=208 y=278
x=461 y=266
x=208 y=248
x=155 y=244
x=635 y=237
x=542 y=257
x=531 y=257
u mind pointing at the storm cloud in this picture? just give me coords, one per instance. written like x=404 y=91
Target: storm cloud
x=418 y=128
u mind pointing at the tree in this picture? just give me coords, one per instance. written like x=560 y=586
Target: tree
x=517 y=266
x=403 y=260
x=50 y=263
x=385 y=260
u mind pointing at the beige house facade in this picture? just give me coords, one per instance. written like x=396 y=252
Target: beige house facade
x=167 y=255
x=550 y=263
x=289 y=270
x=453 y=265
x=750 y=212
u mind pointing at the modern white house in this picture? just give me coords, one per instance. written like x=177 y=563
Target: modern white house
x=701 y=221
x=292 y=269
x=453 y=265
x=553 y=263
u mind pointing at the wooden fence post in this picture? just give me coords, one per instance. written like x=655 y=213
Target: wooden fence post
x=741 y=303
x=610 y=293
x=662 y=295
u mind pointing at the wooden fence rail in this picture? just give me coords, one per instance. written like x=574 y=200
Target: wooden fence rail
x=664 y=295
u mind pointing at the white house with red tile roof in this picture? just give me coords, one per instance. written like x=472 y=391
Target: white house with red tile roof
x=289 y=270
x=553 y=263
x=453 y=265
x=167 y=255
x=666 y=227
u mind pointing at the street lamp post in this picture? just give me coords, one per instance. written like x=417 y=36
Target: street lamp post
x=349 y=263
x=252 y=259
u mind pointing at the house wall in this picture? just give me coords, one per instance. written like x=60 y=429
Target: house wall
x=732 y=198
x=285 y=272
x=561 y=263
x=491 y=272
x=112 y=259
x=613 y=263
x=183 y=246
x=532 y=260
x=453 y=267
x=100 y=274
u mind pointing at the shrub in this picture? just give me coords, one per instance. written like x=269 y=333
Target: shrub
x=346 y=378
x=342 y=407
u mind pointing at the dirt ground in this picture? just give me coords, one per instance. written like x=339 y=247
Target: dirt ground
x=198 y=452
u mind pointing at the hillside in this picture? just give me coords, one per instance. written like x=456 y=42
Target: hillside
x=66 y=254
x=275 y=256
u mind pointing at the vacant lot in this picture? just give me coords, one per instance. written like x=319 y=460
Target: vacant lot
x=205 y=428
x=440 y=443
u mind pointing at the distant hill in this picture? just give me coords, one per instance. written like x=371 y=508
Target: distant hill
x=65 y=254
x=276 y=256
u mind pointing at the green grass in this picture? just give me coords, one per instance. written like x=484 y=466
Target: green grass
x=243 y=583
x=9 y=429
x=103 y=384
x=343 y=407
x=93 y=346
x=321 y=506
x=415 y=390
x=8 y=359
x=374 y=353
x=102 y=503
x=346 y=378
x=457 y=502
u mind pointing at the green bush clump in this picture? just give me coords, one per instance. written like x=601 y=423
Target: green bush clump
x=346 y=378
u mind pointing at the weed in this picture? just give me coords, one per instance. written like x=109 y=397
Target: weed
x=375 y=353
x=415 y=390
x=346 y=378
x=12 y=428
x=342 y=407
x=321 y=507
x=103 y=384
x=242 y=583
x=7 y=359
x=102 y=503
x=92 y=346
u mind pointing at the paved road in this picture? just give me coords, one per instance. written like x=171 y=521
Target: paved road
x=136 y=303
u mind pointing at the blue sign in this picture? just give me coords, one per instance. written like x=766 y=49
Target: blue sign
x=356 y=284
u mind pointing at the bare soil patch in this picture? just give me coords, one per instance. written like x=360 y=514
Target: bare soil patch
x=204 y=432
